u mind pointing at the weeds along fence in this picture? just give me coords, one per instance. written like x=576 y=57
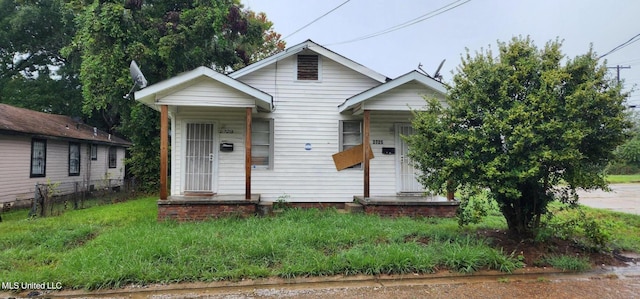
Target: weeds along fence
x=52 y=199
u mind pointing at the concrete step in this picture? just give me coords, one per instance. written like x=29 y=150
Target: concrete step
x=353 y=207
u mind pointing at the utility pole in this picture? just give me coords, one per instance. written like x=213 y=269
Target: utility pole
x=618 y=67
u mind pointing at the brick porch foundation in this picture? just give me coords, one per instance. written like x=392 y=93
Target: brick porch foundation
x=203 y=208
x=409 y=207
x=199 y=209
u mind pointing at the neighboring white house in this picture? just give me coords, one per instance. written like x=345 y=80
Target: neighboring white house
x=299 y=107
x=38 y=147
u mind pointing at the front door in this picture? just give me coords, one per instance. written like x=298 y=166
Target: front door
x=406 y=174
x=200 y=158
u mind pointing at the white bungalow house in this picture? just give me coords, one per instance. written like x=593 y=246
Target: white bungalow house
x=281 y=128
x=40 y=148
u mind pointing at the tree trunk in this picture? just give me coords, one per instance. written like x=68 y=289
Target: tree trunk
x=517 y=216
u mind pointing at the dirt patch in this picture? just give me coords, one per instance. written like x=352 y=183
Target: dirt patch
x=81 y=240
x=417 y=238
x=534 y=253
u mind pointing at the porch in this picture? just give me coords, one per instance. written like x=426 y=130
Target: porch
x=203 y=207
x=199 y=208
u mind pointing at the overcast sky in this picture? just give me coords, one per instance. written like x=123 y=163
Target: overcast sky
x=474 y=25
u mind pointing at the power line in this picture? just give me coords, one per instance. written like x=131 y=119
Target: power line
x=414 y=21
x=630 y=41
x=318 y=18
x=632 y=61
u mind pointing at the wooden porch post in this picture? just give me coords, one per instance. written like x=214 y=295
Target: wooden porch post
x=164 y=151
x=247 y=156
x=365 y=152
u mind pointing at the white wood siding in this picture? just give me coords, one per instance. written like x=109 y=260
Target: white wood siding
x=15 y=160
x=307 y=112
x=99 y=168
x=15 y=157
x=205 y=92
x=403 y=98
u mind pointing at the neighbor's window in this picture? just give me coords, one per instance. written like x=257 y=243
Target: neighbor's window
x=113 y=157
x=74 y=159
x=38 y=157
x=308 y=67
x=94 y=152
x=262 y=143
x=350 y=135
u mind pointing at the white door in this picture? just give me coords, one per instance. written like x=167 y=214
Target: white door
x=200 y=158
x=406 y=179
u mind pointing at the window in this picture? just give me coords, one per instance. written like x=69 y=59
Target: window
x=350 y=135
x=308 y=67
x=113 y=157
x=38 y=158
x=74 y=159
x=262 y=143
x=94 y=152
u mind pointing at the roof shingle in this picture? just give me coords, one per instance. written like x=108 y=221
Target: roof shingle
x=25 y=121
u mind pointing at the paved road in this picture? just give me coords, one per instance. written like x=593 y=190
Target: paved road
x=604 y=282
x=623 y=198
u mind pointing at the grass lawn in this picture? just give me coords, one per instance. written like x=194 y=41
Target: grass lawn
x=115 y=245
x=623 y=178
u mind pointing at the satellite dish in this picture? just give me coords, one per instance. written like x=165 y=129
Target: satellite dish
x=137 y=75
x=138 y=78
x=437 y=75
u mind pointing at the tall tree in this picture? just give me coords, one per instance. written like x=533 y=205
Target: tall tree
x=524 y=126
x=165 y=38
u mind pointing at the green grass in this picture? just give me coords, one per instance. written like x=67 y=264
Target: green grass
x=115 y=245
x=623 y=178
x=569 y=263
x=621 y=229
x=624 y=228
x=119 y=244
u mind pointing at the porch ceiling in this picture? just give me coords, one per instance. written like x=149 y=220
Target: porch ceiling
x=152 y=95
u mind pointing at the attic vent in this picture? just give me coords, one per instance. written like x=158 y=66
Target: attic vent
x=308 y=67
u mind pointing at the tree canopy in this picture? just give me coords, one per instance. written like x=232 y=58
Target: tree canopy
x=33 y=72
x=527 y=125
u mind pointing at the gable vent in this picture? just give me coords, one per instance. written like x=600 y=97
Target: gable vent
x=308 y=67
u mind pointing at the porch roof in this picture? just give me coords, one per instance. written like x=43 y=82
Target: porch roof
x=150 y=95
x=356 y=102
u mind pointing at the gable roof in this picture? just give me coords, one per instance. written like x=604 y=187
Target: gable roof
x=14 y=120
x=312 y=46
x=148 y=95
x=406 y=78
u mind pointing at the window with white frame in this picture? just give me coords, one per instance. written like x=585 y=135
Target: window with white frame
x=94 y=152
x=350 y=135
x=74 y=159
x=262 y=143
x=38 y=157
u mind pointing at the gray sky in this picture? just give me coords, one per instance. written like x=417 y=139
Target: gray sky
x=474 y=25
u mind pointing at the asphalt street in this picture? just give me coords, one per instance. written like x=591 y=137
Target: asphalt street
x=622 y=198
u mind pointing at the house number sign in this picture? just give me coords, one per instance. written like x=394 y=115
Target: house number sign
x=377 y=141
